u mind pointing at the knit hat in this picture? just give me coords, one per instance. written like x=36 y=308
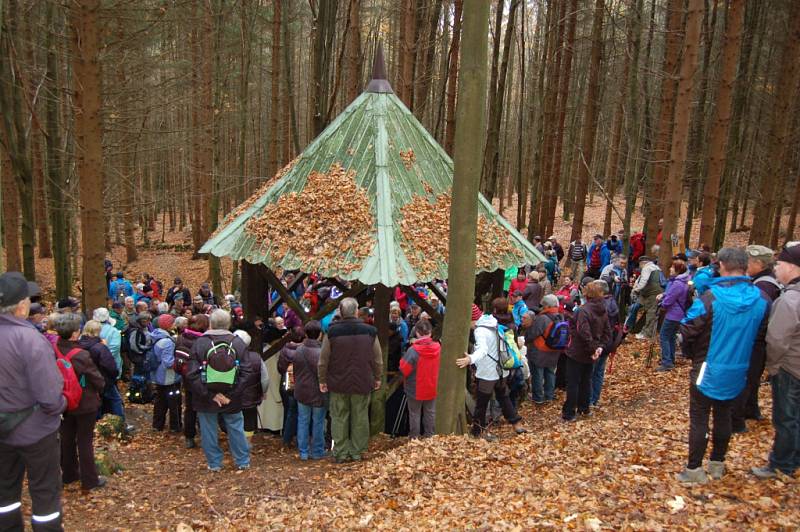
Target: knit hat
x=549 y=301
x=762 y=253
x=790 y=253
x=476 y=312
x=165 y=321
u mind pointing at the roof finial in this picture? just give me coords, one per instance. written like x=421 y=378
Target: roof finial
x=379 y=83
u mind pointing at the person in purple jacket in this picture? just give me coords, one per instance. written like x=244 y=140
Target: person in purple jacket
x=674 y=303
x=31 y=403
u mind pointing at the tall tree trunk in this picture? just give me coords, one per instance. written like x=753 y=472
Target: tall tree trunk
x=353 y=55
x=471 y=120
x=244 y=100
x=792 y=222
x=55 y=175
x=427 y=50
x=452 y=79
x=407 y=32
x=215 y=142
x=661 y=148
x=677 y=161
x=324 y=33
x=275 y=90
x=589 y=120
x=83 y=19
x=784 y=96
x=10 y=217
x=720 y=125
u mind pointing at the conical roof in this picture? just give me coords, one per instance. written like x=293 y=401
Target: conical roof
x=367 y=200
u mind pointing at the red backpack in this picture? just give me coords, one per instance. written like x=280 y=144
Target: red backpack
x=73 y=388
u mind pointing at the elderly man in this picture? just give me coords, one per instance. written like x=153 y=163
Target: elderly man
x=783 y=366
x=31 y=404
x=350 y=367
x=216 y=392
x=760 y=261
x=719 y=332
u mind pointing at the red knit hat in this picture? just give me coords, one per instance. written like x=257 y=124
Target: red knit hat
x=165 y=321
x=476 y=312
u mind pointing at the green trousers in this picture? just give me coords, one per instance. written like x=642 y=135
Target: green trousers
x=650 y=306
x=349 y=424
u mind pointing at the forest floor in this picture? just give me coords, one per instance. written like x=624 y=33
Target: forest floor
x=614 y=470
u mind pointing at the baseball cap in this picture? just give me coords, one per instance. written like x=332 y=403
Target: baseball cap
x=36 y=308
x=14 y=288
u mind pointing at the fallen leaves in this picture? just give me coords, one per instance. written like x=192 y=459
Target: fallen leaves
x=426 y=228
x=676 y=505
x=326 y=227
x=408 y=157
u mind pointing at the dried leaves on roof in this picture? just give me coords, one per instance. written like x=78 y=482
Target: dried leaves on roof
x=327 y=227
x=426 y=230
x=408 y=157
x=246 y=204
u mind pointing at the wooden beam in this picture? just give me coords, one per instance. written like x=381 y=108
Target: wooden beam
x=274 y=306
x=383 y=296
x=436 y=318
x=287 y=296
x=439 y=293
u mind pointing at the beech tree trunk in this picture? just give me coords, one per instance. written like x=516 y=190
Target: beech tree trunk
x=452 y=79
x=677 y=161
x=720 y=125
x=471 y=120
x=589 y=121
x=275 y=91
x=13 y=262
x=353 y=58
x=83 y=19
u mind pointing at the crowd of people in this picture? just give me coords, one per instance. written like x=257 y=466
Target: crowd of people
x=200 y=361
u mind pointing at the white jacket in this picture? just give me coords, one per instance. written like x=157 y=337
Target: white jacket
x=485 y=355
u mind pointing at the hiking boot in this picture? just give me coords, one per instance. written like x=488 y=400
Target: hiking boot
x=662 y=369
x=485 y=435
x=716 y=469
x=214 y=469
x=692 y=476
x=190 y=443
x=764 y=473
x=243 y=467
x=101 y=481
x=519 y=429
x=569 y=419
x=739 y=429
x=640 y=336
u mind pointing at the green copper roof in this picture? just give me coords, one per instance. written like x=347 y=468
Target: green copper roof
x=368 y=138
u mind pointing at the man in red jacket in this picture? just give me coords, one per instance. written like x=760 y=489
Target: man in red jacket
x=420 y=369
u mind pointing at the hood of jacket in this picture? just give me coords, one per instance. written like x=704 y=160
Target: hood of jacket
x=487 y=320
x=427 y=348
x=87 y=342
x=159 y=334
x=191 y=333
x=736 y=295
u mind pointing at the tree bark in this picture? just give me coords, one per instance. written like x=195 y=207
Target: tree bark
x=589 y=121
x=83 y=19
x=452 y=79
x=471 y=120
x=677 y=162
x=275 y=90
x=784 y=96
x=10 y=205
x=353 y=58
x=721 y=122
x=661 y=148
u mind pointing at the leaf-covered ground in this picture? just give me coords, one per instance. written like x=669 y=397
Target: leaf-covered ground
x=614 y=470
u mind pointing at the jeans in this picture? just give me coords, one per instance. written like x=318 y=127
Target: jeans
x=237 y=441
x=785 y=455
x=289 y=417
x=111 y=402
x=669 y=330
x=700 y=407
x=424 y=411
x=598 y=378
x=40 y=461
x=579 y=388
x=349 y=424
x=315 y=415
x=484 y=393
x=543 y=382
x=633 y=312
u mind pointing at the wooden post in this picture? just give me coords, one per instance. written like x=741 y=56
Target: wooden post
x=290 y=300
x=274 y=304
x=377 y=406
x=254 y=291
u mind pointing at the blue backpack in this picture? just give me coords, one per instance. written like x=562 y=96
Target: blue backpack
x=557 y=335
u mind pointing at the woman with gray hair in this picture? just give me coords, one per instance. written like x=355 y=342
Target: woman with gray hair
x=77 y=427
x=543 y=358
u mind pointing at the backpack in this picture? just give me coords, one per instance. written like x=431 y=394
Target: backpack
x=139 y=391
x=637 y=246
x=769 y=280
x=73 y=388
x=220 y=366
x=556 y=335
x=508 y=353
x=689 y=297
x=137 y=345
x=181 y=363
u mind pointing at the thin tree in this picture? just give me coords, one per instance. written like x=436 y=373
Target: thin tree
x=452 y=78
x=589 y=120
x=677 y=161
x=720 y=125
x=471 y=123
x=83 y=20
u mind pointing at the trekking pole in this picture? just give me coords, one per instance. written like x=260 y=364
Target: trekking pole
x=399 y=419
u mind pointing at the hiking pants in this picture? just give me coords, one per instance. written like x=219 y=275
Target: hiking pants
x=421 y=410
x=484 y=394
x=40 y=461
x=168 y=398
x=746 y=406
x=349 y=424
x=77 y=449
x=579 y=388
x=700 y=408
x=189 y=415
x=650 y=306
x=785 y=455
